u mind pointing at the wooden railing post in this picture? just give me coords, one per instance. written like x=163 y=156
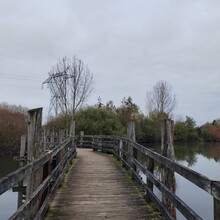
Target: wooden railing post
x=131 y=150
x=34 y=151
x=81 y=138
x=72 y=128
x=216 y=209
x=44 y=138
x=216 y=199
x=72 y=132
x=52 y=138
x=100 y=146
x=167 y=148
x=21 y=163
x=61 y=136
x=150 y=185
x=120 y=149
x=22 y=149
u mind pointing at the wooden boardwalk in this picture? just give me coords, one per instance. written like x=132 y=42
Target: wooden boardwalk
x=96 y=188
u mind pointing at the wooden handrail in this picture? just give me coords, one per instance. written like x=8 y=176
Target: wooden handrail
x=112 y=144
x=64 y=153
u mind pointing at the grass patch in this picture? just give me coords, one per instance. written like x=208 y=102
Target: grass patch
x=72 y=163
x=49 y=211
x=153 y=210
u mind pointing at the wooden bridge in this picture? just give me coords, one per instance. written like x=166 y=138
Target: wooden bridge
x=96 y=188
x=66 y=182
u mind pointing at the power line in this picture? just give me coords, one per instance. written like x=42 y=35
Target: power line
x=22 y=86
x=19 y=77
x=110 y=95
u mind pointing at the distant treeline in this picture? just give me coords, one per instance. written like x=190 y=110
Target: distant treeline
x=105 y=119
x=13 y=124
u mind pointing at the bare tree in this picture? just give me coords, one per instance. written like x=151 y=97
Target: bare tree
x=70 y=83
x=161 y=100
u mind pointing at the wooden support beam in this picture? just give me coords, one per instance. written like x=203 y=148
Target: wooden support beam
x=72 y=128
x=167 y=150
x=21 y=188
x=34 y=151
x=81 y=138
x=216 y=202
x=34 y=134
x=131 y=151
x=150 y=185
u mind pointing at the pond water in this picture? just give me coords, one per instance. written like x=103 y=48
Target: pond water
x=203 y=158
x=8 y=200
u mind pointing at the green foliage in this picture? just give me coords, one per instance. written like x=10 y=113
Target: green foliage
x=107 y=119
x=180 y=131
x=192 y=134
x=190 y=122
x=98 y=121
x=128 y=111
x=61 y=122
x=186 y=131
x=150 y=130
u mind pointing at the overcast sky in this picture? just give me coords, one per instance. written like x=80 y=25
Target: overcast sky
x=128 y=45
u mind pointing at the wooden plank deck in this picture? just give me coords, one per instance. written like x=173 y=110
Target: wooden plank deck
x=96 y=188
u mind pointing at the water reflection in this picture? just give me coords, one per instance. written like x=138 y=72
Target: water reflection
x=8 y=200
x=205 y=159
x=8 y=165
x=189 y=152
x=8 y=204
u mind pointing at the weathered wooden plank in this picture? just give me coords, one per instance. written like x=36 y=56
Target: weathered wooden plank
x=34 y=152
x=177 y=202
x=43 y=209
x=216 y=189
x=13 y=178
x=96 y=188
x=167 y=175
x=22 y=212
x=198 y=179
x=60 y=168
x=216 y=194
x=150 y=168
x=216 y=209
x=210 y=186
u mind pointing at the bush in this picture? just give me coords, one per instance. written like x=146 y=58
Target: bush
x=98 y=121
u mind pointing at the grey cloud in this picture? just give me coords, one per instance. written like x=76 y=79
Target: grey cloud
x=128 y=45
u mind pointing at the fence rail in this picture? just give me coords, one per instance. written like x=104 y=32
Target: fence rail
x=53 y=165
x=122 y=147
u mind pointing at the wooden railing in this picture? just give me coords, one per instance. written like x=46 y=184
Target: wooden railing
x=47 y=164
x=122 y=147
x=51 y=167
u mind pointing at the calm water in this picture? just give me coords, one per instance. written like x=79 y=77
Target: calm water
x=8 y=200
x=203 y=158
